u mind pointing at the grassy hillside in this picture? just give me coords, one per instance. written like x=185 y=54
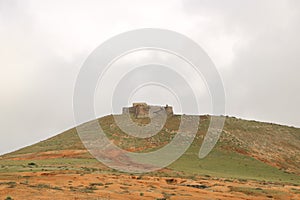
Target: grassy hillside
x=246 y=150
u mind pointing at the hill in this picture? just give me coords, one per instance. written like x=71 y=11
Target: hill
x=247 y=151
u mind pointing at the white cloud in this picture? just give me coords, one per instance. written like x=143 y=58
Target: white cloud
x=254 y=44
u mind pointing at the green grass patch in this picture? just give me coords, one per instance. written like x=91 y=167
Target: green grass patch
x=230 y=165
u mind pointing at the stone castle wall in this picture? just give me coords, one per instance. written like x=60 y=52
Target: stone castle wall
x=141 y=110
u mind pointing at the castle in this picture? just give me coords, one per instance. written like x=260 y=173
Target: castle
x=141 y=110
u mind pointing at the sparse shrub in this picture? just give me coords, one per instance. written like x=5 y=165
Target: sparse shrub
x=45 y=186
x=197 y=186
x=32 y=164
x=8 y=198
x=12 y=184
x=25 y=182
x=96 y=184
x=41 y=185
x=127 y=184
x=56 y=188
x=91 y=187
x=141 y=194
x=295 y=190
x=88 y=189
x=152 y=186
x=171 y=181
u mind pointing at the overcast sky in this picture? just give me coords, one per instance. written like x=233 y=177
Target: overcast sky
x=254 y=44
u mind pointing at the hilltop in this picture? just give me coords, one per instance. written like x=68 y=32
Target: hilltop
x=247 y=151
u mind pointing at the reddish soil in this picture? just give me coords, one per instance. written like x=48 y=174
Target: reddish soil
x=50 y=155
x=69 y=185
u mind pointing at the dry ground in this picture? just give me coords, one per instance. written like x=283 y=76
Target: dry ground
x=70 y=185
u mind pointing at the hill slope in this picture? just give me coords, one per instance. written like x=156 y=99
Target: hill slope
x=252 y=160
x=246 y=149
